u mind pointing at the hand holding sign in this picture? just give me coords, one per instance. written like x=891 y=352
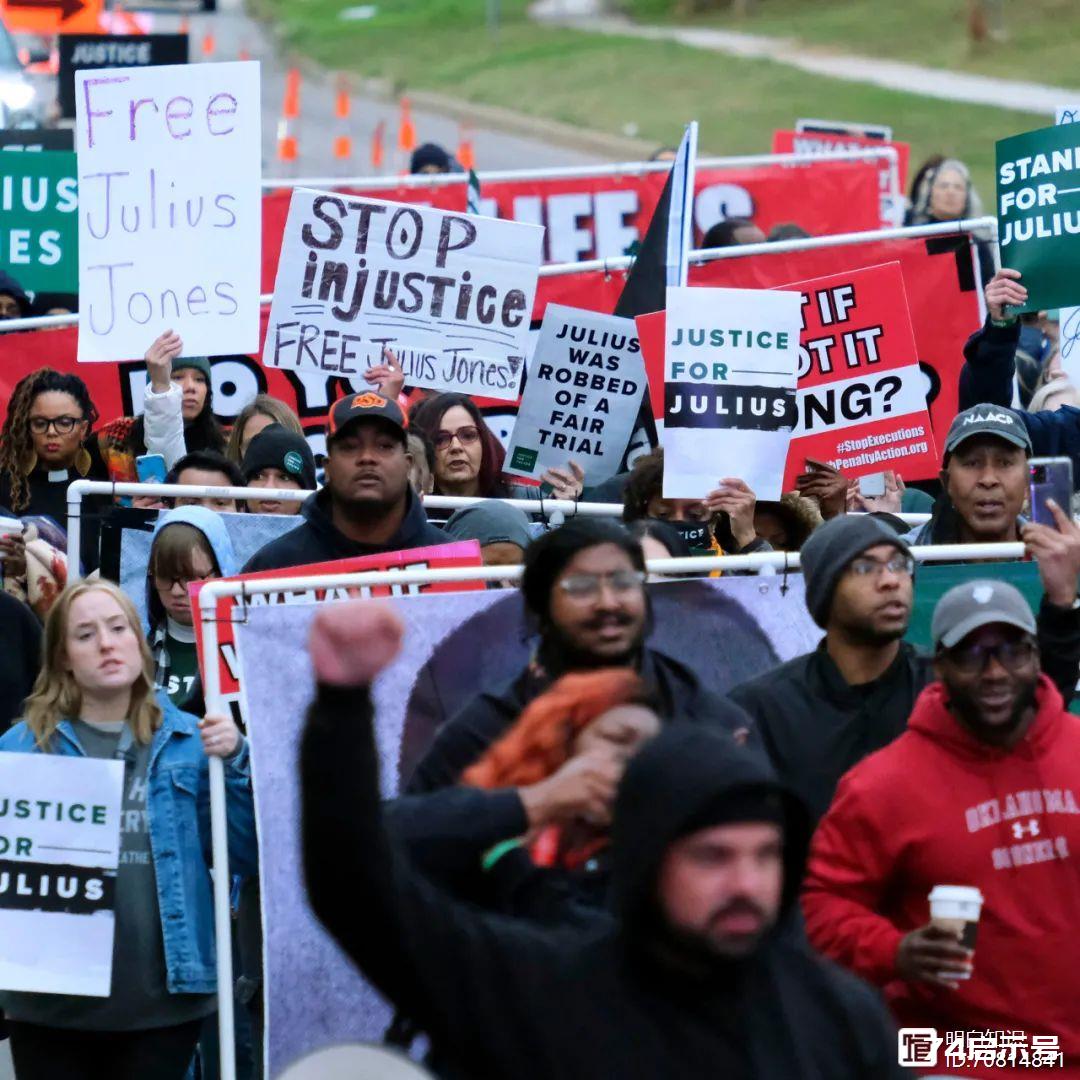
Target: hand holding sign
x=734 y=498
x=565 y=483
x=387 y=377
x=159 y=359
x=1004 y=290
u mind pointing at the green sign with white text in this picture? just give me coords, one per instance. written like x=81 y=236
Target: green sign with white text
x=1038 y=204
x=39 y=226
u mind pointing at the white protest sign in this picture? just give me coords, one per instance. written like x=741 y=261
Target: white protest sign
x=730 y=366
x=170 y=218
x=451 y=294
x=582 y=397
x=59 y=849
x=1070 y=316
x=1067 y=114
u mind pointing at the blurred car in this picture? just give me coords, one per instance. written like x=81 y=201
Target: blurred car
x=22 y=103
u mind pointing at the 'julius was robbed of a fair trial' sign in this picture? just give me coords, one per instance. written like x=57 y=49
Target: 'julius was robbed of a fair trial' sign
x=729 y=388
x=169 y=208
x=450 y=294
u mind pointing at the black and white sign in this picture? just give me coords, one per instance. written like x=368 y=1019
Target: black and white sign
x=81 y=51
x=451 y=294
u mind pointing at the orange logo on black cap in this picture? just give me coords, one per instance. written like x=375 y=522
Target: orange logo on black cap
x=368 y=401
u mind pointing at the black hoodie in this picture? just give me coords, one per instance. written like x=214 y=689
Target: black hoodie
x=503 y=998
x=317 y=539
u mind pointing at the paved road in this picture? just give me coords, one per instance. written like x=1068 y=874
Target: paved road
x=235 y=34
x=890 y=74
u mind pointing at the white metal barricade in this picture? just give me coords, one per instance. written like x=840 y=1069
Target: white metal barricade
x=623 y=262
x=213 y=591
x=587 y=172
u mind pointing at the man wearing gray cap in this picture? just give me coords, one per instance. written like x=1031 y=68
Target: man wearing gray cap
x=982 y=791
x=824 y=711
x=984 y=475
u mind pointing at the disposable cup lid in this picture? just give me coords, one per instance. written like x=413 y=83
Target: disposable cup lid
x=955 y=894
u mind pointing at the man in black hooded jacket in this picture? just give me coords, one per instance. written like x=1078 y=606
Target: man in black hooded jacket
x=689 y=977
x=368 y=506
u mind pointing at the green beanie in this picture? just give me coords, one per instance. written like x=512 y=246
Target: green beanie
x=199 y=363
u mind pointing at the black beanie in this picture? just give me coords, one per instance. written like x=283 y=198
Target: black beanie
x=830 y=550
x=276 y=447
x=757 y=802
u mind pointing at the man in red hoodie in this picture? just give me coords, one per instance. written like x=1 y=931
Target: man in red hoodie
x=983 y=789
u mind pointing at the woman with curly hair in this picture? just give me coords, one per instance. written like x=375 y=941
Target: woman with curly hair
x=47 y=442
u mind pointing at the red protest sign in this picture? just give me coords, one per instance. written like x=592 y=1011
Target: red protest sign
x=825 y=143
x=861 y=398
x=458 y=555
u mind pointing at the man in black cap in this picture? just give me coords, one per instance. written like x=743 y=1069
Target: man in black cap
x=584 y=589
x=14 y=303
x=278 y=458
x=690 y=977
x=367 y=506
x=984 y=474
x=821 y=713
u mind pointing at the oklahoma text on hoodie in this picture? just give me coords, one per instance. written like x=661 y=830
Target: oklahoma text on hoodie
x=939 y=807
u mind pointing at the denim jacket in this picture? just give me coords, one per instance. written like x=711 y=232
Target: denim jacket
x=178 y=805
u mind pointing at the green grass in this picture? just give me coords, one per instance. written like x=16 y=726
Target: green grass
x=1040 y=46
x=608 y=84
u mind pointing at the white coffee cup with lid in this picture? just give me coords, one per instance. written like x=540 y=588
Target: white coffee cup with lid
x=957 y=908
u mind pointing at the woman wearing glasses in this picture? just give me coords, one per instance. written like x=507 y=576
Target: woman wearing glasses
x=190 y=545
x=469 y=458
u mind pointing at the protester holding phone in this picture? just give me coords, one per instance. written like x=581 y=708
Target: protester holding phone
x=95 y=697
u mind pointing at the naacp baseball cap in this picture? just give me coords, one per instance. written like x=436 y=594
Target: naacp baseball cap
x=993 y=420
x=364 y=406
x=985 y=602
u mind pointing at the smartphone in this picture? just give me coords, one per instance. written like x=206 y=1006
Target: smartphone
x=1049 y=478
x=150 y=469
x=872 y=485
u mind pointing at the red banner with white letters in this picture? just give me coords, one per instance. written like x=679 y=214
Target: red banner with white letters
x=600 y=217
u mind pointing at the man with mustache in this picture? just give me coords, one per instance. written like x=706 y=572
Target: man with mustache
x=584 y=587
x=821 y=713
x=982 y=790
x=367 y=506
x=690 y=976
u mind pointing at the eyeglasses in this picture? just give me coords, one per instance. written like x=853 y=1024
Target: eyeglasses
x=1011 y=655
x=898 y=564
x=464 y=435
x=588 y=586
x=64 y=425
x=165 y=584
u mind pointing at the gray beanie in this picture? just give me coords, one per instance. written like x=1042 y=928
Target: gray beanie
x=490 y=522
x=830 y=550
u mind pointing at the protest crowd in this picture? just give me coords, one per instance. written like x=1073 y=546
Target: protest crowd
x=720 y=722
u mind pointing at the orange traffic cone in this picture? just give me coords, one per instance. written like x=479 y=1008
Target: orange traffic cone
x=343 y=147
x=406 y=134
x=288 y=146
x=465 y=153
x=208 y=45
x=378 y=146
x=185 y=26
x=243 y=54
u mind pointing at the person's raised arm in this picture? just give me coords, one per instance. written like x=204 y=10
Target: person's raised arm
x=990 y=353
x=163 y=405
x=453 y=968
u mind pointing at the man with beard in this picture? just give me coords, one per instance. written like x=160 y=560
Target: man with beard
x=689 y=977
x=584 y=587
x=824 y=711
x=367 y=506
x=982 y=790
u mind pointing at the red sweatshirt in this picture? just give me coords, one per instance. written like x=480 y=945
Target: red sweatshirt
x=939 y=807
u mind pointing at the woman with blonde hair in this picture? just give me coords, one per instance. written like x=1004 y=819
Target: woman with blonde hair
x=95 y=697
x=259 y=413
